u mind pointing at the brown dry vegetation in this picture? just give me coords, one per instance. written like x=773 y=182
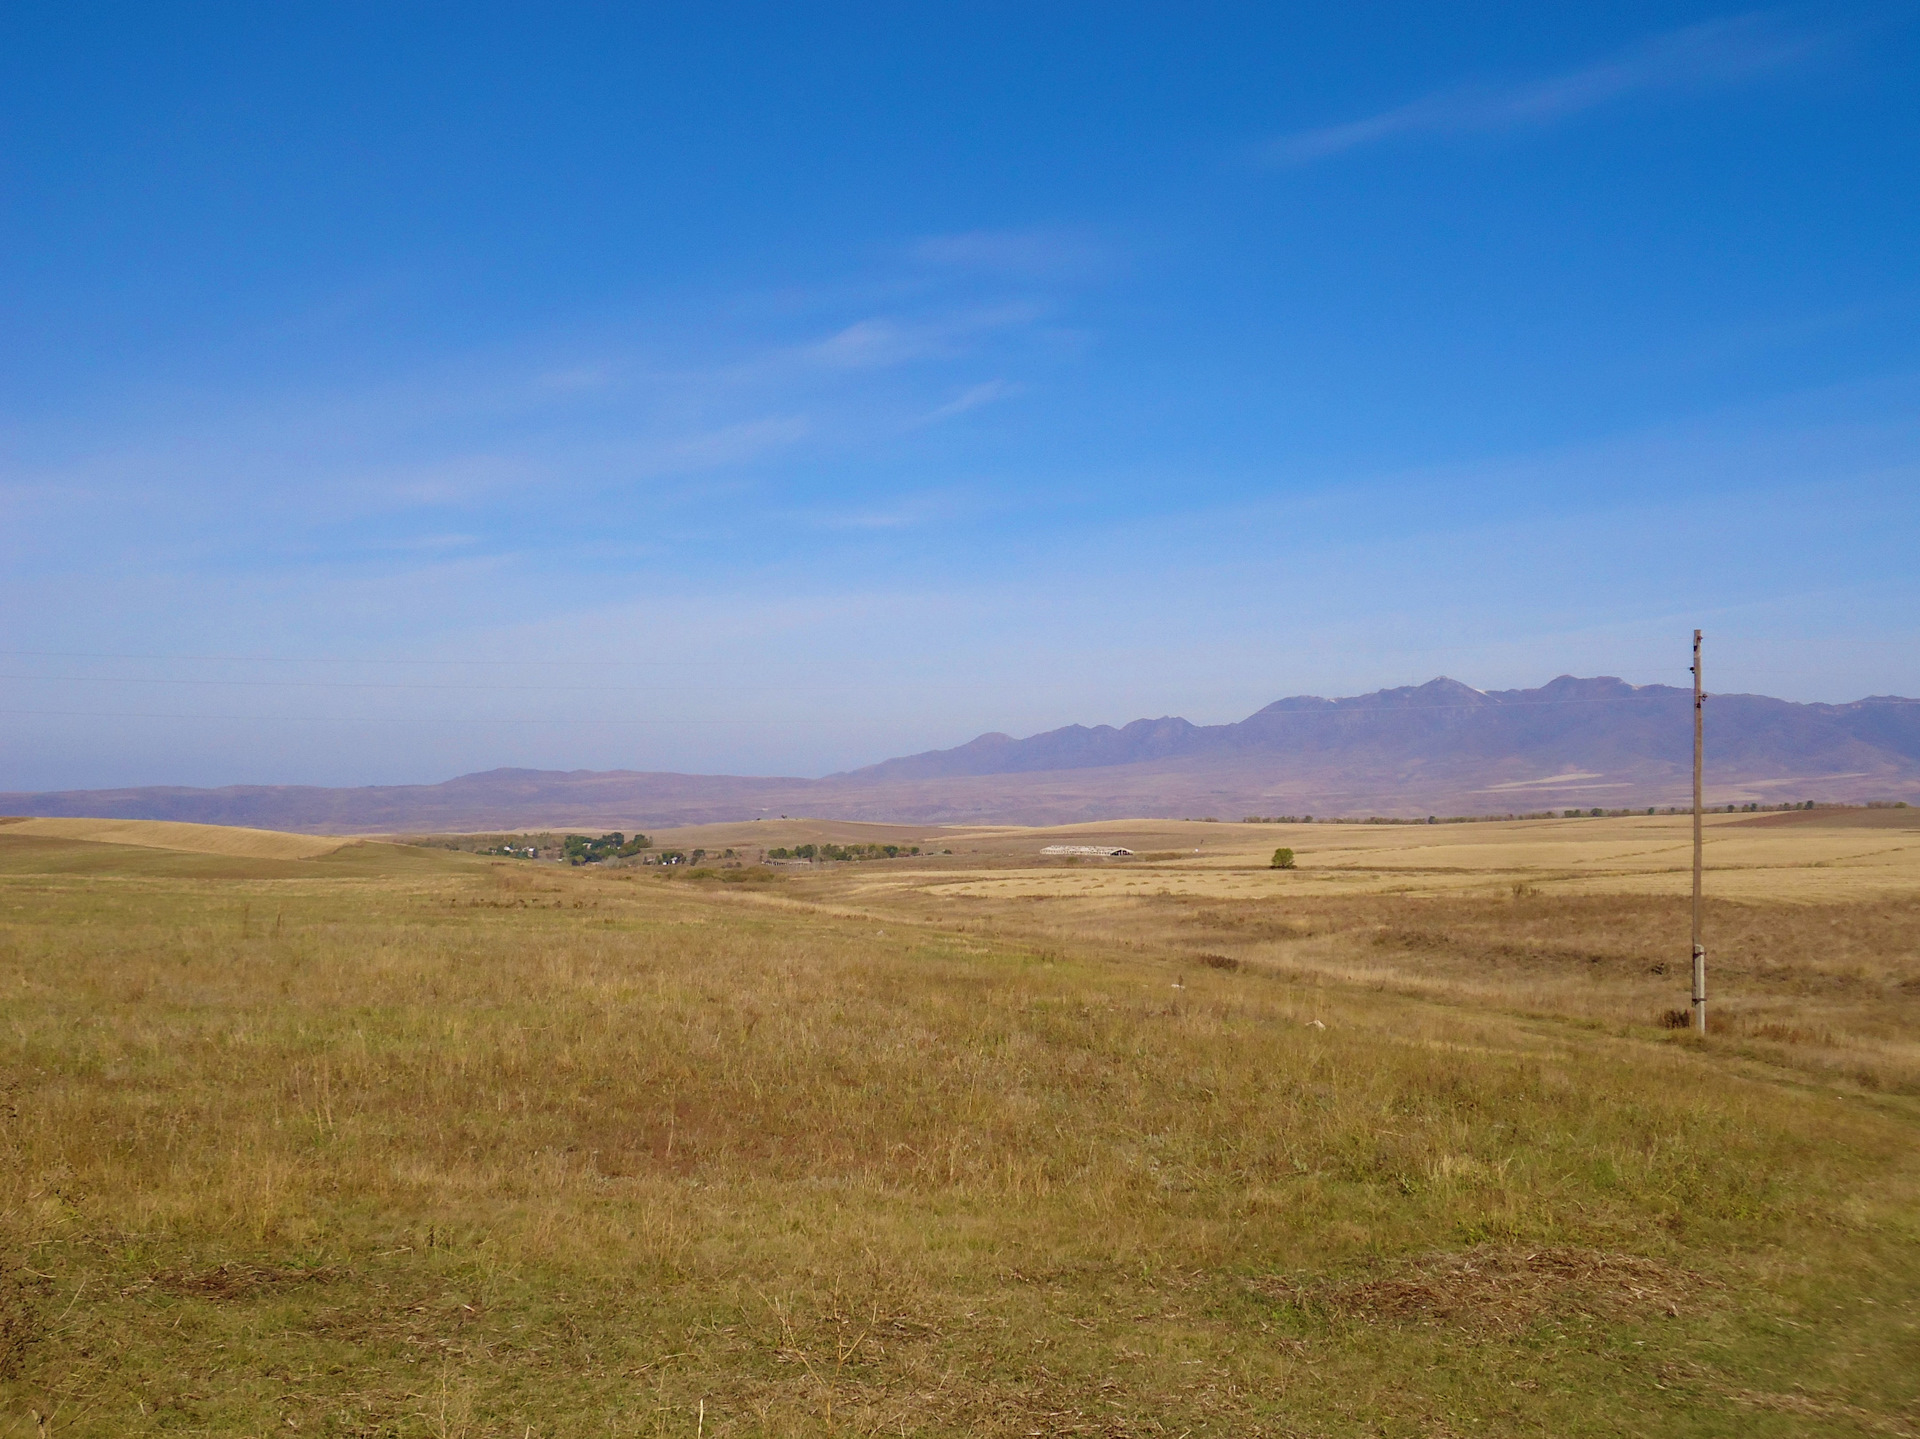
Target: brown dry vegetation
x=1834 y=987
x=182 y=838
x=400 y=1142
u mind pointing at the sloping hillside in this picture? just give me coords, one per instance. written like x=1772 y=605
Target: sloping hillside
x=236 y=843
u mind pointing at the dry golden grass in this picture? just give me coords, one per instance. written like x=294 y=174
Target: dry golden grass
x=404 y=1142
x=1816 y=856
x=1649 y=855
x=184 y=838
x=1813 y=931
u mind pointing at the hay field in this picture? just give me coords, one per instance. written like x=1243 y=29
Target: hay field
x=394 y=1141
x=183 y=838
x=1816 y=855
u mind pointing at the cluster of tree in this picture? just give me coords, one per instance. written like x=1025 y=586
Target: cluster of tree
x=578 y=849
x=681 y=856
x=1621 y=813
x=518 y=846
x=1277 y=819
x=843 y=851
x=1752 y=808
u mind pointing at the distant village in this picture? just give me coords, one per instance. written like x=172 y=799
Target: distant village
x=616 y=846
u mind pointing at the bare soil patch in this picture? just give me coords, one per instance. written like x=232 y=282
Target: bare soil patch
x=1499 y=1290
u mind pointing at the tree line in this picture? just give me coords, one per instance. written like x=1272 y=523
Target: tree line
x=844 y=851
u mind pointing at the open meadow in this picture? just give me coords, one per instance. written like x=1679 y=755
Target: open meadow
x=362 y=1138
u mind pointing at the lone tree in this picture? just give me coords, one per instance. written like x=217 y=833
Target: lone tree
x=1283 y=858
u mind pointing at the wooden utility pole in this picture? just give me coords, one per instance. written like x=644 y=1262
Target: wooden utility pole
x=1699 y=950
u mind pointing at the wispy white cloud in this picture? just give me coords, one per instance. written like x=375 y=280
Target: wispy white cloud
x=1032 y=254
x=900 y=512
x=1716 y=52
x=732 y=444
x=970 y=398
x=578 y=377
x=896 y=519
x=870 y=343
x=433 y=543
x=881 y=342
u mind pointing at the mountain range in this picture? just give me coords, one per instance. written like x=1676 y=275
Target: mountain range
x=1438 y=748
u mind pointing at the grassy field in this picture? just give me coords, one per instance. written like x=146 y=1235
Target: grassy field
x=370 y=1139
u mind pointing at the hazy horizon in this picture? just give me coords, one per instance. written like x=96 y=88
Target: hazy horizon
x=432 y=779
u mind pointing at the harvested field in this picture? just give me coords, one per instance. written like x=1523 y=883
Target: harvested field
x=183 y=838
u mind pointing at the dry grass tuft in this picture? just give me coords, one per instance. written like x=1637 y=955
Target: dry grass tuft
x=23 y=1295
x=234 y=1280
x=1493 y=1289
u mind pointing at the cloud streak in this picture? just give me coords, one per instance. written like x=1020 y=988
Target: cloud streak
x=881 y=342
x=1698 y=57
x=1034 y=254
x=970 y=399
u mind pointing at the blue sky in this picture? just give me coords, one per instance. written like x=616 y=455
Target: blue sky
x=393 y=391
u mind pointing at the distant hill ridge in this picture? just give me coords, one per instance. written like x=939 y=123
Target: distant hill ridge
x=1442 y=747
x=1584 y=719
